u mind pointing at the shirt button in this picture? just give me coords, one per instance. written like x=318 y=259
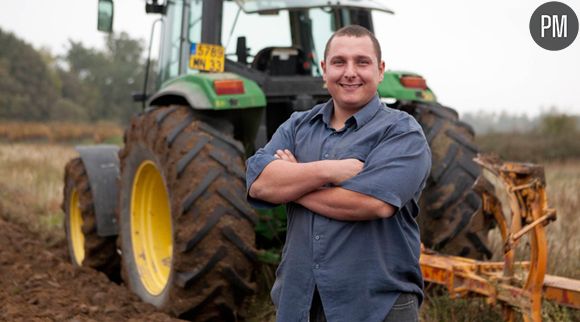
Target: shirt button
x=326 y=155
x=317 y=237
x=316 y=266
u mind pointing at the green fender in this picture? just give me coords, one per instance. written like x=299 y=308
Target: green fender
x=391 y=87
x=198 y=90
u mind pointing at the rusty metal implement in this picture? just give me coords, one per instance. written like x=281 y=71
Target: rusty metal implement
x=514 y=194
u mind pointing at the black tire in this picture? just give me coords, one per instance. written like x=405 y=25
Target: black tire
x=451 y=219
x=212 y=226
x=100 y=253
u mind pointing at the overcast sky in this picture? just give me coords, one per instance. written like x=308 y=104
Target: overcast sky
x=475 y=55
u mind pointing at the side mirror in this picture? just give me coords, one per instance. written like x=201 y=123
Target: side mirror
x=105 y=21
x=242 y=50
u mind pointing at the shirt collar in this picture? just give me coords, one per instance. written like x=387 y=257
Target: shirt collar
x=365 y=114
x=325 y=112
x=360 y=118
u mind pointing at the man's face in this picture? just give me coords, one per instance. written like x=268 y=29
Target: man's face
x=352 y=72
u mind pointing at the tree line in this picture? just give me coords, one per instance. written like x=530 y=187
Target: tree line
x=548 y=137
x=83 y=84
x=550 y=121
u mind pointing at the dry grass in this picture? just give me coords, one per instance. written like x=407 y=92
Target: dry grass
x=438 y=306
x=533 y=146
x=563 y=180
x=59 y=132
x=31 y=185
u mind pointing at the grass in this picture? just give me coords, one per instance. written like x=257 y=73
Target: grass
x=532 y=146
x=563 y=180
x=100 y=132
x=31 y=184
x=438 y=306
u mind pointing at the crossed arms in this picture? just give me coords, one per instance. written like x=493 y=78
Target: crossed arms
x=285 y=180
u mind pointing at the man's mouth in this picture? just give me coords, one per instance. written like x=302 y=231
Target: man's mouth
x=350 y=86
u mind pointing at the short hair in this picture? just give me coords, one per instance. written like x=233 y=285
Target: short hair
x=357 y=32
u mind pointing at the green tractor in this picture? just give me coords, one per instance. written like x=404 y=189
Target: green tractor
x=167 y=215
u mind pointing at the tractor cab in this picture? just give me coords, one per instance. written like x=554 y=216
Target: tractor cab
x=276 y=38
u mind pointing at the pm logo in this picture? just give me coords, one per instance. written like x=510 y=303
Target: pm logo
x=559 y=27
x=554 y=26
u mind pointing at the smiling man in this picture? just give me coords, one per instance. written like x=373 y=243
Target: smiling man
x=350 y=172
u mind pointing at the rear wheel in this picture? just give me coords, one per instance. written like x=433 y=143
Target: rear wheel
x=86 y=248
x=186 y=232
x=451 y=219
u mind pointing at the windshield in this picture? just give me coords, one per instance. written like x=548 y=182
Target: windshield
x=274 y=30
x=273 y=5
x=260 y=30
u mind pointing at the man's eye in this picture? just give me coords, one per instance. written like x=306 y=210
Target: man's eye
x=338 y=62
x=364 y=62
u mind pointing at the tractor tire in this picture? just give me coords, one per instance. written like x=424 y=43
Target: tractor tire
x=186 y=232
x=85 y=247
x=451 y=219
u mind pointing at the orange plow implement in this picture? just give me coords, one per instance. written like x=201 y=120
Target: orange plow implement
x=514 y=193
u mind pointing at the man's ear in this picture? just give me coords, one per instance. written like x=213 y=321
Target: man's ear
x=323 y=66
x=382 y=69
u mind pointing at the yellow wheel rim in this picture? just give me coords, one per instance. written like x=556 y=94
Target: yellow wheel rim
x=151 y=233
x=77 y=237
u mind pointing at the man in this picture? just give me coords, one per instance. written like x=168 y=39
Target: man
x=350 y=171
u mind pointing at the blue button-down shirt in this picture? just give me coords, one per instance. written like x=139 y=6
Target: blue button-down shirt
x=359 y=267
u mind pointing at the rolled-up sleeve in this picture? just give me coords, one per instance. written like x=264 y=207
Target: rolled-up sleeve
x=283 y=138
x=396 y=170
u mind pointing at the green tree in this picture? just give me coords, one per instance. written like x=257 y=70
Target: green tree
x=104 y=80
x=127 y=74
x=83 y=84
x=81 y=76
x=558 y=125
x=27 y=91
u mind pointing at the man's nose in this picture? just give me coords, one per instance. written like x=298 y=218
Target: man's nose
x=350 y=70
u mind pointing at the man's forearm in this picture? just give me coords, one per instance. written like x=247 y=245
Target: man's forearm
x=283 y=181
x=342 y=204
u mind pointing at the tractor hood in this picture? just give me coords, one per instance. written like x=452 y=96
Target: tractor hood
x=251 y=6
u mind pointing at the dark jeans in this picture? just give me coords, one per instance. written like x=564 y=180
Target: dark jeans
x=405 y=309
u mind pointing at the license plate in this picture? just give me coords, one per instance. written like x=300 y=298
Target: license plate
x=206 y=57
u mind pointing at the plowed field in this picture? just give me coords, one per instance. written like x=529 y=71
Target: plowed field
x=38 y=283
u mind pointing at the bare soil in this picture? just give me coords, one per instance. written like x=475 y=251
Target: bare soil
x=37 y=283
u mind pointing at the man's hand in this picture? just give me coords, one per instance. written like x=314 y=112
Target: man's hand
x=342 y=170
x=285 y=155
